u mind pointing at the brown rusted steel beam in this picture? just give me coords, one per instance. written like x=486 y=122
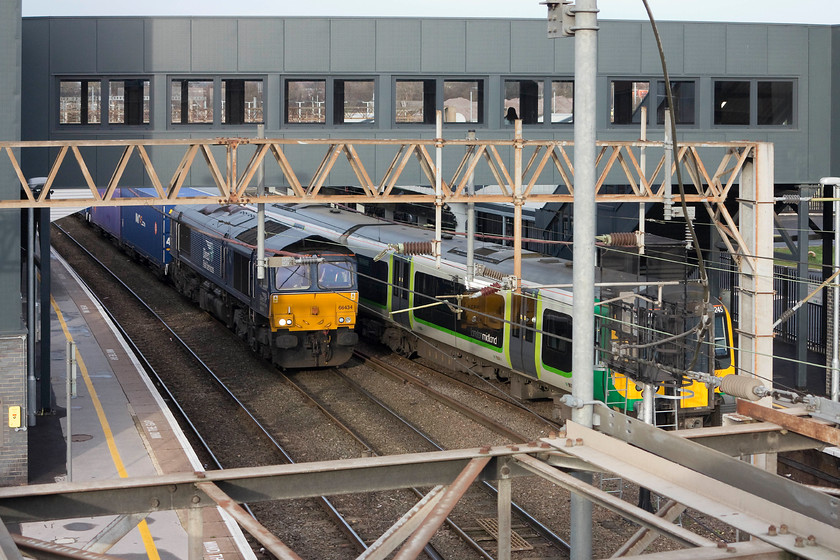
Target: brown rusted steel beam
x=812 y=428
x=265 y=537
x=418 y=540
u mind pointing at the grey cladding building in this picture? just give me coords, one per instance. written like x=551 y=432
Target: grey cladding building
x=136 y=77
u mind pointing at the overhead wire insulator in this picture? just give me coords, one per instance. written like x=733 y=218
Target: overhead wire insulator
x=621 y=239
x=482 y=270
x=486 y=291
x=408 y=248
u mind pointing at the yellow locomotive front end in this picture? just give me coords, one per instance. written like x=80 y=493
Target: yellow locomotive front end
x=312 y=311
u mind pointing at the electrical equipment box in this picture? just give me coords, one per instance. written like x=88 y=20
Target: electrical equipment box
x=14 y=417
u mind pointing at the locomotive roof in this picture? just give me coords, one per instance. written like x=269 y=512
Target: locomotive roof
x=368 y=234
x=239 y=223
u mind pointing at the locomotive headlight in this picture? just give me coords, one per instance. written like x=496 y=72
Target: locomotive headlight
x=289 y=322
x=341 y=319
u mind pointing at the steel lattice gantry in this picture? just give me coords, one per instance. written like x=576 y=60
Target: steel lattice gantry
x=687 y=472
x=520 y=167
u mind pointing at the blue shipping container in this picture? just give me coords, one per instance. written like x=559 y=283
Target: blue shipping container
x=107 y=217
x=146 y=229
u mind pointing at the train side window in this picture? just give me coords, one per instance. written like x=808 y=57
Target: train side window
x=373 y=280
x=335 y=275
x=292 y=277
x=557 y=340
x=79 y=102
x=427 y=288
x=483 y=319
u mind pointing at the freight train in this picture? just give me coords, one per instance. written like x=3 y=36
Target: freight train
x=481 y=325
x=301 y=314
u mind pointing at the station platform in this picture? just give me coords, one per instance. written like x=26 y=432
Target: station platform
x=120 y=428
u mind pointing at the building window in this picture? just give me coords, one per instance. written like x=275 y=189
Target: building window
x=463 y=101
x=128 y=102
x=305 y=101
x=732 y=103
x=415 y=101
x=80 y=102
x=523 y=100
x=775 y=103
x=192 y=101
x=354 y=101
x=626 y=101
x=242 y=101
x=562 y=101
x=683 y=94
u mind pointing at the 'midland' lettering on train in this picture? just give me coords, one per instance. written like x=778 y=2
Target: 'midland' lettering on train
x=486 y=337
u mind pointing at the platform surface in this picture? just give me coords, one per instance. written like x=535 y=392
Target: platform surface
x=120 y=427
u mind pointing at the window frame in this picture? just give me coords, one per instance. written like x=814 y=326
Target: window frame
x=651 y=101
x=107 y=102
x=284 y=100
x=199 y=78
x=219 y=82
x=333 y=101
x=438 y=102
x=753 y=102
x=84 y=112
x=104 y=82
x=548 y=87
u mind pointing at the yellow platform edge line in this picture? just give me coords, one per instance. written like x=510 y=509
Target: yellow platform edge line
x=146 y=535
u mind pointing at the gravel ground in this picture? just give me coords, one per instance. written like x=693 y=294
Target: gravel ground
x=309 y=436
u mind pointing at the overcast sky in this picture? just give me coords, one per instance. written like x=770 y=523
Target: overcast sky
x=789 y=11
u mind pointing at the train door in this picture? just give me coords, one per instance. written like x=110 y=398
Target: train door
x=523 y=327
x=400 y=288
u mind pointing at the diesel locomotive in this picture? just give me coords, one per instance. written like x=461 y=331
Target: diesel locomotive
x=301 y=314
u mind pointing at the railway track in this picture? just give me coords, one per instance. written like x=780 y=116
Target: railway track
x=215 y=395
x=477 y=530
x=373 y=429
x=142 y=313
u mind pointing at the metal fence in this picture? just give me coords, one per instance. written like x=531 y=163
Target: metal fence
x=786 y=283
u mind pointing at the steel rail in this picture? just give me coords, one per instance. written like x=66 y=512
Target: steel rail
x=328 y=506
x=547 y=533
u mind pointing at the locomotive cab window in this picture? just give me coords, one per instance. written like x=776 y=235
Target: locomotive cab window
x=292 y=277
x=332 y=275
